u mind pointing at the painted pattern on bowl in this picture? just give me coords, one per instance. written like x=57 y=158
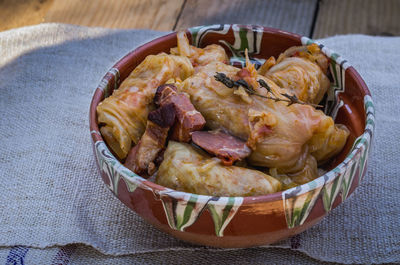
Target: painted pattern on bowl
x=244 y=221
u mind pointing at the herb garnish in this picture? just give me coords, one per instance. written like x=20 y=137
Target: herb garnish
x=265 y=85
x=221 y=77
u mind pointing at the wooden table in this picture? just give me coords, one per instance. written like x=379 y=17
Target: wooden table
x=313 y=18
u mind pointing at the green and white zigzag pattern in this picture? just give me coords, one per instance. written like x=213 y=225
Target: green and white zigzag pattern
x=104 y=84
x=198 y=33
x=246 y=37
x=114 y=170
x=331 y=188
x=183 y=212
x=223 y=212
x=298 y=204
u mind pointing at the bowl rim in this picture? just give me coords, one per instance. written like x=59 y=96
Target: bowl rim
x=276 y=196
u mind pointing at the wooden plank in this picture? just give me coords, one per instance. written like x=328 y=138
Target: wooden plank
x=291 y=15
x=19 y=13
x=373 y=17
x=150 y=14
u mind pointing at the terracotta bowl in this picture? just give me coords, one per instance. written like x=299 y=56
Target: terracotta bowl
x=244 y=221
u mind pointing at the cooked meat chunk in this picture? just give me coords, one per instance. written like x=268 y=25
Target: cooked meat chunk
x=224 y=146
x=141 y=158
x=188 y=119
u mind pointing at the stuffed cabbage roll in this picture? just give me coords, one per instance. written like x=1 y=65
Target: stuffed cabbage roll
x=277 y=133
x=188 y=169
x=199 y=56
x=306 y=173
x=301 y=71
x=124 y=113
x=326 y=144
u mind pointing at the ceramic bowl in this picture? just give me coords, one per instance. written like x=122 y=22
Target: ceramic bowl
x=244 y=221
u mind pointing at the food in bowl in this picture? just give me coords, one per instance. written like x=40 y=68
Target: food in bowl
x=235 y=221
x=195 y=123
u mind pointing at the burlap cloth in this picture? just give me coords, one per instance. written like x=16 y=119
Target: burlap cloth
x=55 y=209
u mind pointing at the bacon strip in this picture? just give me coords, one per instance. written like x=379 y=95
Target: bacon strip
x=163 y=92
x=141 y=158
x=224 y=146
x=164 y=116
x=187 y=118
